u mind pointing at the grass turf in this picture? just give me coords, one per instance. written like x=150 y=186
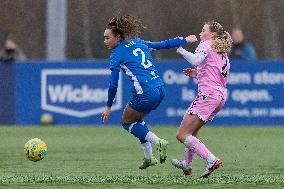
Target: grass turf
x=108 y=157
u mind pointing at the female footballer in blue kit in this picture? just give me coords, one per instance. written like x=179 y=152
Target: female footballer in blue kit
x=132 y=55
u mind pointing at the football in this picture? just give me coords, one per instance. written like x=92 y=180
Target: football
x=35 y=149
x=46 y=119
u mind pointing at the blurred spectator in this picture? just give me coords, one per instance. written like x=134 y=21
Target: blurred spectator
x=11 y=52
x=241 y=49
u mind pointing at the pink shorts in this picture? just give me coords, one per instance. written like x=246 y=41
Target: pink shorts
x=207 y=104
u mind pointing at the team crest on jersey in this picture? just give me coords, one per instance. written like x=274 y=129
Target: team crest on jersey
x=204 y=96
x=77 y=92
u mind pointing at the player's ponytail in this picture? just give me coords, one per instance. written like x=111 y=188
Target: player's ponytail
x=114 y=26
x=127 y=26
x=223 y=41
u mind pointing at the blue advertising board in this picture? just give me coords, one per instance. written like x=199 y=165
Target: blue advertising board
x=7 y=93
x=75 y=92
x=255 y=93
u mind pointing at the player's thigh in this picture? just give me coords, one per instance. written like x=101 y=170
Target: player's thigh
x=147 y=101
x=130 y=115
x=190 y=125
x=160 y=94
x=218 y=108
x=205 y=105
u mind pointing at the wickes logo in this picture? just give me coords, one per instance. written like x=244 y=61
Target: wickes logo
x=77 y=92
x=67 y=93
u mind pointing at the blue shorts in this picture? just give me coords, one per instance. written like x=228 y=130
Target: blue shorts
x=147 y=101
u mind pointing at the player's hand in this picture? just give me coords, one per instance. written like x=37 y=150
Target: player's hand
x=191 y=39
x=105 y=114
x=190 y=72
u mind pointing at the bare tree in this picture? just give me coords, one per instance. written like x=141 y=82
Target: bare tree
x=271 y=33
x=234 y=8
x=86 y=29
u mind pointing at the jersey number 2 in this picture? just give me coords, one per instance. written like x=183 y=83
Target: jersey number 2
x=148 y=62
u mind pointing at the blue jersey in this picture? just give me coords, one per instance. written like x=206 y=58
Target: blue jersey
x=134 y=58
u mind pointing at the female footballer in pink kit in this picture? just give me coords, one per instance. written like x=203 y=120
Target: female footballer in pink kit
x=211 y=63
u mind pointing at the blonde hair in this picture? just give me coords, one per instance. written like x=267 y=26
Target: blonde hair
x=223 y=41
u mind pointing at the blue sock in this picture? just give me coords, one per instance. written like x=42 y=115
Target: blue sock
x=138 y=129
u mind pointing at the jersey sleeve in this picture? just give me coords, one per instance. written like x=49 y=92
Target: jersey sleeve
x=113 y=84
x=166 y=44
x=193 y=58
x=115 y=68
x=203 y=48
x=114 y=61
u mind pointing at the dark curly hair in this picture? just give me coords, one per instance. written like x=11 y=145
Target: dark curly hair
x=127 y=26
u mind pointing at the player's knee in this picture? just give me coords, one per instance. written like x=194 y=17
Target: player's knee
x=180 y=136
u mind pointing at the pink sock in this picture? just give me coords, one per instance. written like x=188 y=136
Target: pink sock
x=188 y=155
x=199 y=148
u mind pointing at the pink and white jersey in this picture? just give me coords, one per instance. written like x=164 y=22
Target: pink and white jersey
x=212 y=72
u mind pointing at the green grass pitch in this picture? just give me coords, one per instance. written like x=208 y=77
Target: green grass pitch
x=108 y=157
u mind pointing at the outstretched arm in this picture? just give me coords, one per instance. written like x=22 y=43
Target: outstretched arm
x=193 y=58
x=166 y=44
x=111 y=93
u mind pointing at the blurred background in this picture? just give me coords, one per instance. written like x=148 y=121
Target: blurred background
x=27 y=20
x=54 y=73
x=53 y=62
